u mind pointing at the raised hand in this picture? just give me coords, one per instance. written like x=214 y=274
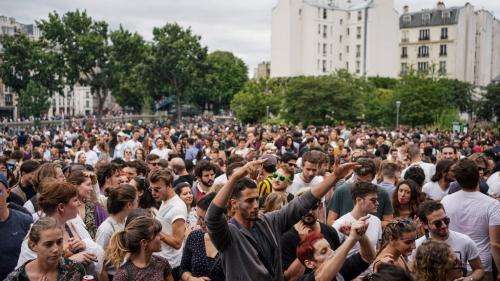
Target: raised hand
x=341 y=171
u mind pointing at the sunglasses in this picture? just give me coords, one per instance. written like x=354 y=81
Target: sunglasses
x=280 y=177
x=439 y=223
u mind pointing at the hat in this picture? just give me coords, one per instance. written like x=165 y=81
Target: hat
x=4 y=180
x=271 y=160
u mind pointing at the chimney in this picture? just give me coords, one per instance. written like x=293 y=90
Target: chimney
x=440 y=5
x=406 y=9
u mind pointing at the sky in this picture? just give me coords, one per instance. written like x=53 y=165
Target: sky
x=239 y=26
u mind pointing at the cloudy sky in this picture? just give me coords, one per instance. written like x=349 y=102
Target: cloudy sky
x=240 y=26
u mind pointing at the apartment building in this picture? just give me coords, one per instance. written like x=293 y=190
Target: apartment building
x=316 y=37
x=452 y=42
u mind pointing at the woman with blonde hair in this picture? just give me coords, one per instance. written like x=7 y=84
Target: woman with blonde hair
x=274 y=201
x=46 y=240
x=131 y=251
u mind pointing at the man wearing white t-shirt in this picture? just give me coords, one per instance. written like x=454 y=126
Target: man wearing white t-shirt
x=475 y=214
x=309 y=175
x=365 y=198
x=416 y=160
x=435 y=221
x=160 y=149
x=172 y=215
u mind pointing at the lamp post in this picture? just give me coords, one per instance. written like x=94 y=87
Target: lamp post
x=398 y=104
x=267 y=112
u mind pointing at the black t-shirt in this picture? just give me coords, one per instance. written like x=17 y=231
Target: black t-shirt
x=14 y=198
x=352 y=267
x=291 y=240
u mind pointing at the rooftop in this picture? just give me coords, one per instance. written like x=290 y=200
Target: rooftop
x=434 y=17
x=335 y=5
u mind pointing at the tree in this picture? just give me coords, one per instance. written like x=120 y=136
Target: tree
x=380 y=107
x=33 y=101
x=178 y=63
x=321 y=100
x=84 y=45
x=128 y=59
x=489 y=105
x=25 y=61
x=226 y=76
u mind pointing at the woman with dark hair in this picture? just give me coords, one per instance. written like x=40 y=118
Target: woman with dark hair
x=136 y=245
x=183 y=190
x=405 y=199
x=46 y=240
x=91 y=212
x=146 y=200
x=398 y=241
x=200 y=259
x=289 y=146
x=439 y=185
x=435 y=261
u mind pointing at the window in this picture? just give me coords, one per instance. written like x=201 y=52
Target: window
x=443 y=51
x=318 y=65
x=319 y=12
x=319 y=28
x=404 y=36
x=331 y=49
x=347 y=65
x=404 y=68
x=444 y=33
x=300 y=12
x=407 y=18
x=340 y=39
x=424 y=34
x=331 y=65
x=87 y=95
x=423 y=66
x=87 y=104
x=423 y=52
x=404 y=52
x=360 y=15
x=8 y=100
x=331 y=30
x=319 y=48
x=358 y=66
x=442 y=68
x=325 y=30
x=347 y=49
x=324 y=49
x=358 y=32
x=426 y=18
x=348 y=31
x=446 y=14
x=358 y=51
x=324 y=65
x=348 y=15
x=340 y=56
x=325 y=14
x=341 y=21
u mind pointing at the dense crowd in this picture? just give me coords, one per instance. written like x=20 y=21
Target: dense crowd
x=216 y=201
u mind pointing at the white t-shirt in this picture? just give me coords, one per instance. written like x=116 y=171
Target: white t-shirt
x=494 y=184
x=434 y=191
x=464 y=248
x=298 y=183
x=92 y=158
x=163 y=153
x=374 y=231
x=170 y=211
x=472 y=213
x=106 y=230
x=222 y=179
x=429 y=170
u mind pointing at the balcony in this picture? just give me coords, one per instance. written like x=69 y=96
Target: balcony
x=426 y=38
x=358 y=54
x=444 y=37
x=422 y=55
x=443 y=54
x=405 y=40
x=404 y=56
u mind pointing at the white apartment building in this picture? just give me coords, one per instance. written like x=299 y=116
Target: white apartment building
x=74 y=102
x=316 y=37
x=263 y=70
x=455 y=42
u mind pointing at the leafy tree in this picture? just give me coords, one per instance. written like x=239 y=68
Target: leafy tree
x=226 y=76
x=320 y=100
x=383 y=82
x=489 y=105
x=251 y=104
x=178 y=63
x=84 y=45
x=128 y=57
x=33 y=101
x=380 y=107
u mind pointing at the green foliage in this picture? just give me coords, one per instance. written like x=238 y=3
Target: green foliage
x=489 y=105
x=226 y=76
x=178 y=63
x=445 y=119
x=380 y=107
x=383 y=82
x=34 y=100
x=324 y=99
x=250 y=105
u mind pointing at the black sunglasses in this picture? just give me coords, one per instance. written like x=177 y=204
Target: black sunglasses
x=439 y=223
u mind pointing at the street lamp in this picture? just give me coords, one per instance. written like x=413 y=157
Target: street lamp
x=398 y=104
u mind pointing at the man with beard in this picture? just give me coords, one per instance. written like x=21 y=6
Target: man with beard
x=311 y=162
x=249 y=242
x=205 y=174
x=309 y=224
x=435 y=222
x=365 y=198
x=439 y=185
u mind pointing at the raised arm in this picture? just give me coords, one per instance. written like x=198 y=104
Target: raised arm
x=339 y=172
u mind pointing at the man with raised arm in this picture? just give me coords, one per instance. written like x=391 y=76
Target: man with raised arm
x=249 y=243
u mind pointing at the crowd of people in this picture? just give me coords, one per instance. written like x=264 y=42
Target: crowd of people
x=212 y=201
